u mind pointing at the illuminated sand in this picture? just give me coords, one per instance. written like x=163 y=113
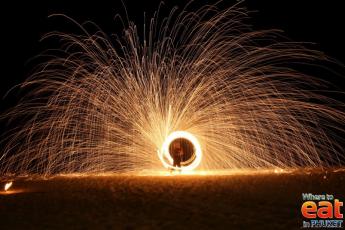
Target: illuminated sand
x=262 y=200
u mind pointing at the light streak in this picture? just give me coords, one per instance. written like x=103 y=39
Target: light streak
x=107 y=104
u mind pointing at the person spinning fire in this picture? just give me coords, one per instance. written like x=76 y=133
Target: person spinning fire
x=177 y=154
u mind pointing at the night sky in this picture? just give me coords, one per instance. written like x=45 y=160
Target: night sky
x=23 y=24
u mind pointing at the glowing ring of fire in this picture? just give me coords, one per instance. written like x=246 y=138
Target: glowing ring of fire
x=167 y=160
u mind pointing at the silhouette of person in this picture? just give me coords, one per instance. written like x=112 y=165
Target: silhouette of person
x=177 y=154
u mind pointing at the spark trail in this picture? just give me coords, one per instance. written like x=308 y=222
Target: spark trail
x=105 y=104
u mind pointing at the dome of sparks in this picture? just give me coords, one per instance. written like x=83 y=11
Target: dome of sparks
x=202 y=88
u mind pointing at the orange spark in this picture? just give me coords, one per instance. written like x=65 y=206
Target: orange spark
x=8 y=186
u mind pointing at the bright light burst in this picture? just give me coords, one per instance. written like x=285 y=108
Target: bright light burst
x=165 y=155
x=104 y=104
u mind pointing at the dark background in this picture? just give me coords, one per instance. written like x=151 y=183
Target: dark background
x=22 y=25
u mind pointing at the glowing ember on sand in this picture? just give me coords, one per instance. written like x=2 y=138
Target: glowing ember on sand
x=8 y=186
